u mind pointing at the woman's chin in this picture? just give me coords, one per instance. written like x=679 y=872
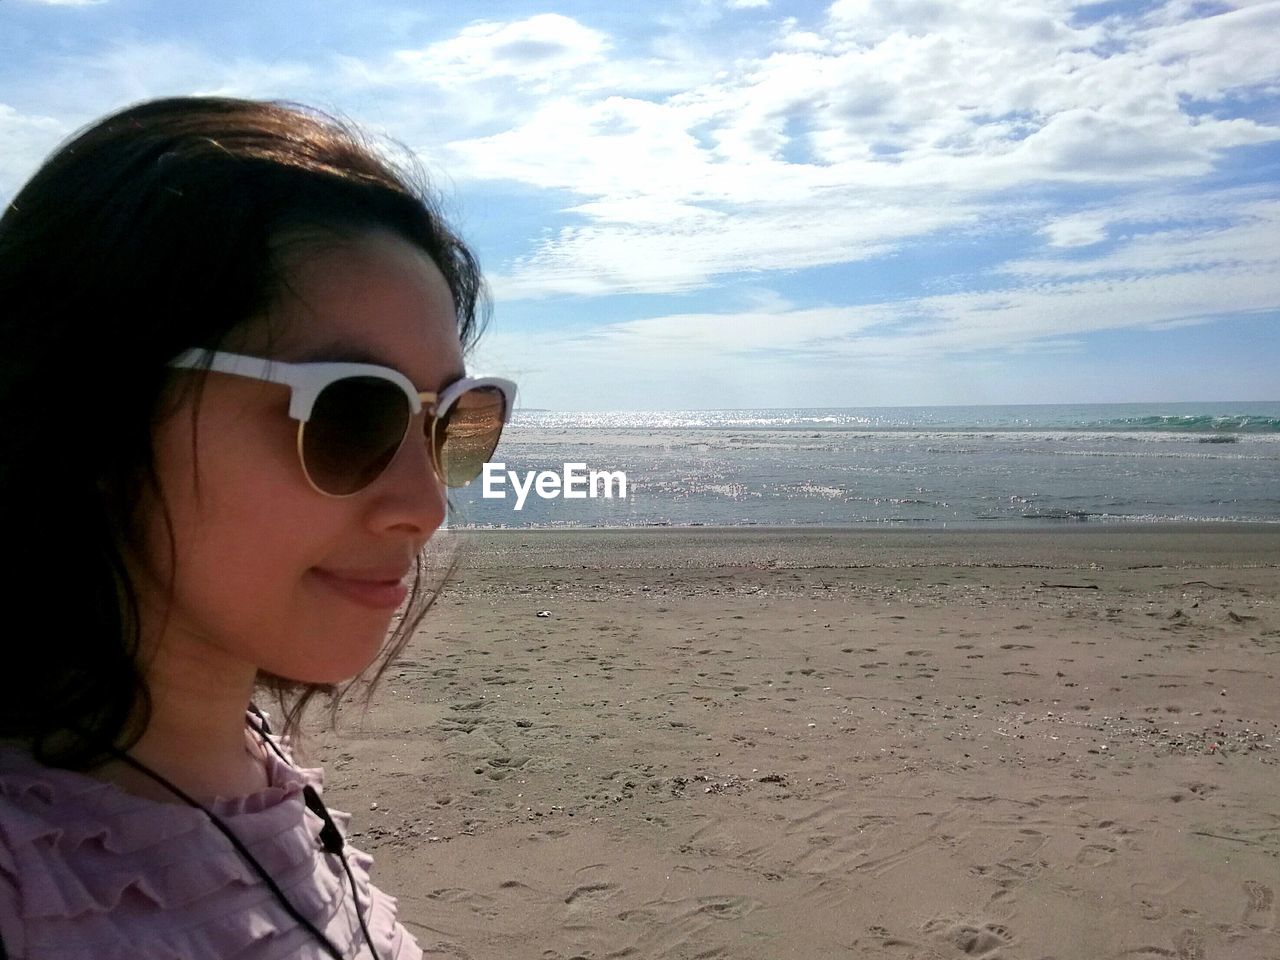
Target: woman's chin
x=324 y=668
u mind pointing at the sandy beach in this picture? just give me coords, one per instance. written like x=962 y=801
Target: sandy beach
x=749 y=743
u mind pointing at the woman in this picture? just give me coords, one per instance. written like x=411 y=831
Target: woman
x=231 y=360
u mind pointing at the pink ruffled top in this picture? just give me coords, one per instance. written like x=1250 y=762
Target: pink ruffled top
x=89 y=872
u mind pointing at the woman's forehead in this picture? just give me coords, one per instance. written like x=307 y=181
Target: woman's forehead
x=377 y=299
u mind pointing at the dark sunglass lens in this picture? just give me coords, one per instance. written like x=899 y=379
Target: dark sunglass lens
x=467 y=435
x=355 y=430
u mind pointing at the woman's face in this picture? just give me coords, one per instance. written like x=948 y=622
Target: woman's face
x=254 y=544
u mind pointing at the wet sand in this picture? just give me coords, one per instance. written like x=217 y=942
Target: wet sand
x=754 y=743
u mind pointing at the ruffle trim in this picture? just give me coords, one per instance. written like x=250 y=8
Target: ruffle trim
x=248 y=921
x=95 y=859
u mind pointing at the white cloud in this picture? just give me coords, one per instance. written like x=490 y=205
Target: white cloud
x=1076 y=230
x=531 y=52
x=79 y=89
x=831 y=141
x=1088 y=146
x=687 y=252
x=492 y=75
x=1230 y=236
x=884 y=123
x=1170 y=261
x=912 y=339
x=747 y=4
x=741 y=332
x=27 y=139
x=926 y=110
x=1230 y=52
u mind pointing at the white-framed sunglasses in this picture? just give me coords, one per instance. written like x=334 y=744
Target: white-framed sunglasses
x=353 y=417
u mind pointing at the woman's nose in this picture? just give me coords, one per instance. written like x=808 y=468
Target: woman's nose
x=412 y=495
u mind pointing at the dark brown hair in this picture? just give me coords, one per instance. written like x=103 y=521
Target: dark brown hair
x=162 y=227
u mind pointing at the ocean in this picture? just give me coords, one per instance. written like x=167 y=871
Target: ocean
x=909 y=466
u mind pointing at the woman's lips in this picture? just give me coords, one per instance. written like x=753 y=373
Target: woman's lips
x=376 y=594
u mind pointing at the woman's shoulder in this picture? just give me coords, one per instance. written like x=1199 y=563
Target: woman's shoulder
x=70 y=846
x=82 y=861
x=54 y=808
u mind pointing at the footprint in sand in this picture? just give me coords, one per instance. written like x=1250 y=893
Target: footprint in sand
x=881 y=940
x=1095 y=855
x=1187 y=945
x=591 y=894
x=1152 y=909
x=1150 y=900
x=450 y=894
x=1202 y=790
x=1190 y=945
x=727 y=908
x=971 y=939
x=476 y=902
x=1259 y=911
x=1009 y=876
x=520 y=889
x=1027 y=844
x=638 y=916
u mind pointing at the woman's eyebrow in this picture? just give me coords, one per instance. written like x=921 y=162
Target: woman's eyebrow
x=341 y=351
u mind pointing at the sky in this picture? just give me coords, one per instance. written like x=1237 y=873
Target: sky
x=702 y=204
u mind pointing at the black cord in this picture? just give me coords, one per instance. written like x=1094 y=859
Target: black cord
x=240 y=848
x=331 y=839
x=330 y=836
x=355 y=899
